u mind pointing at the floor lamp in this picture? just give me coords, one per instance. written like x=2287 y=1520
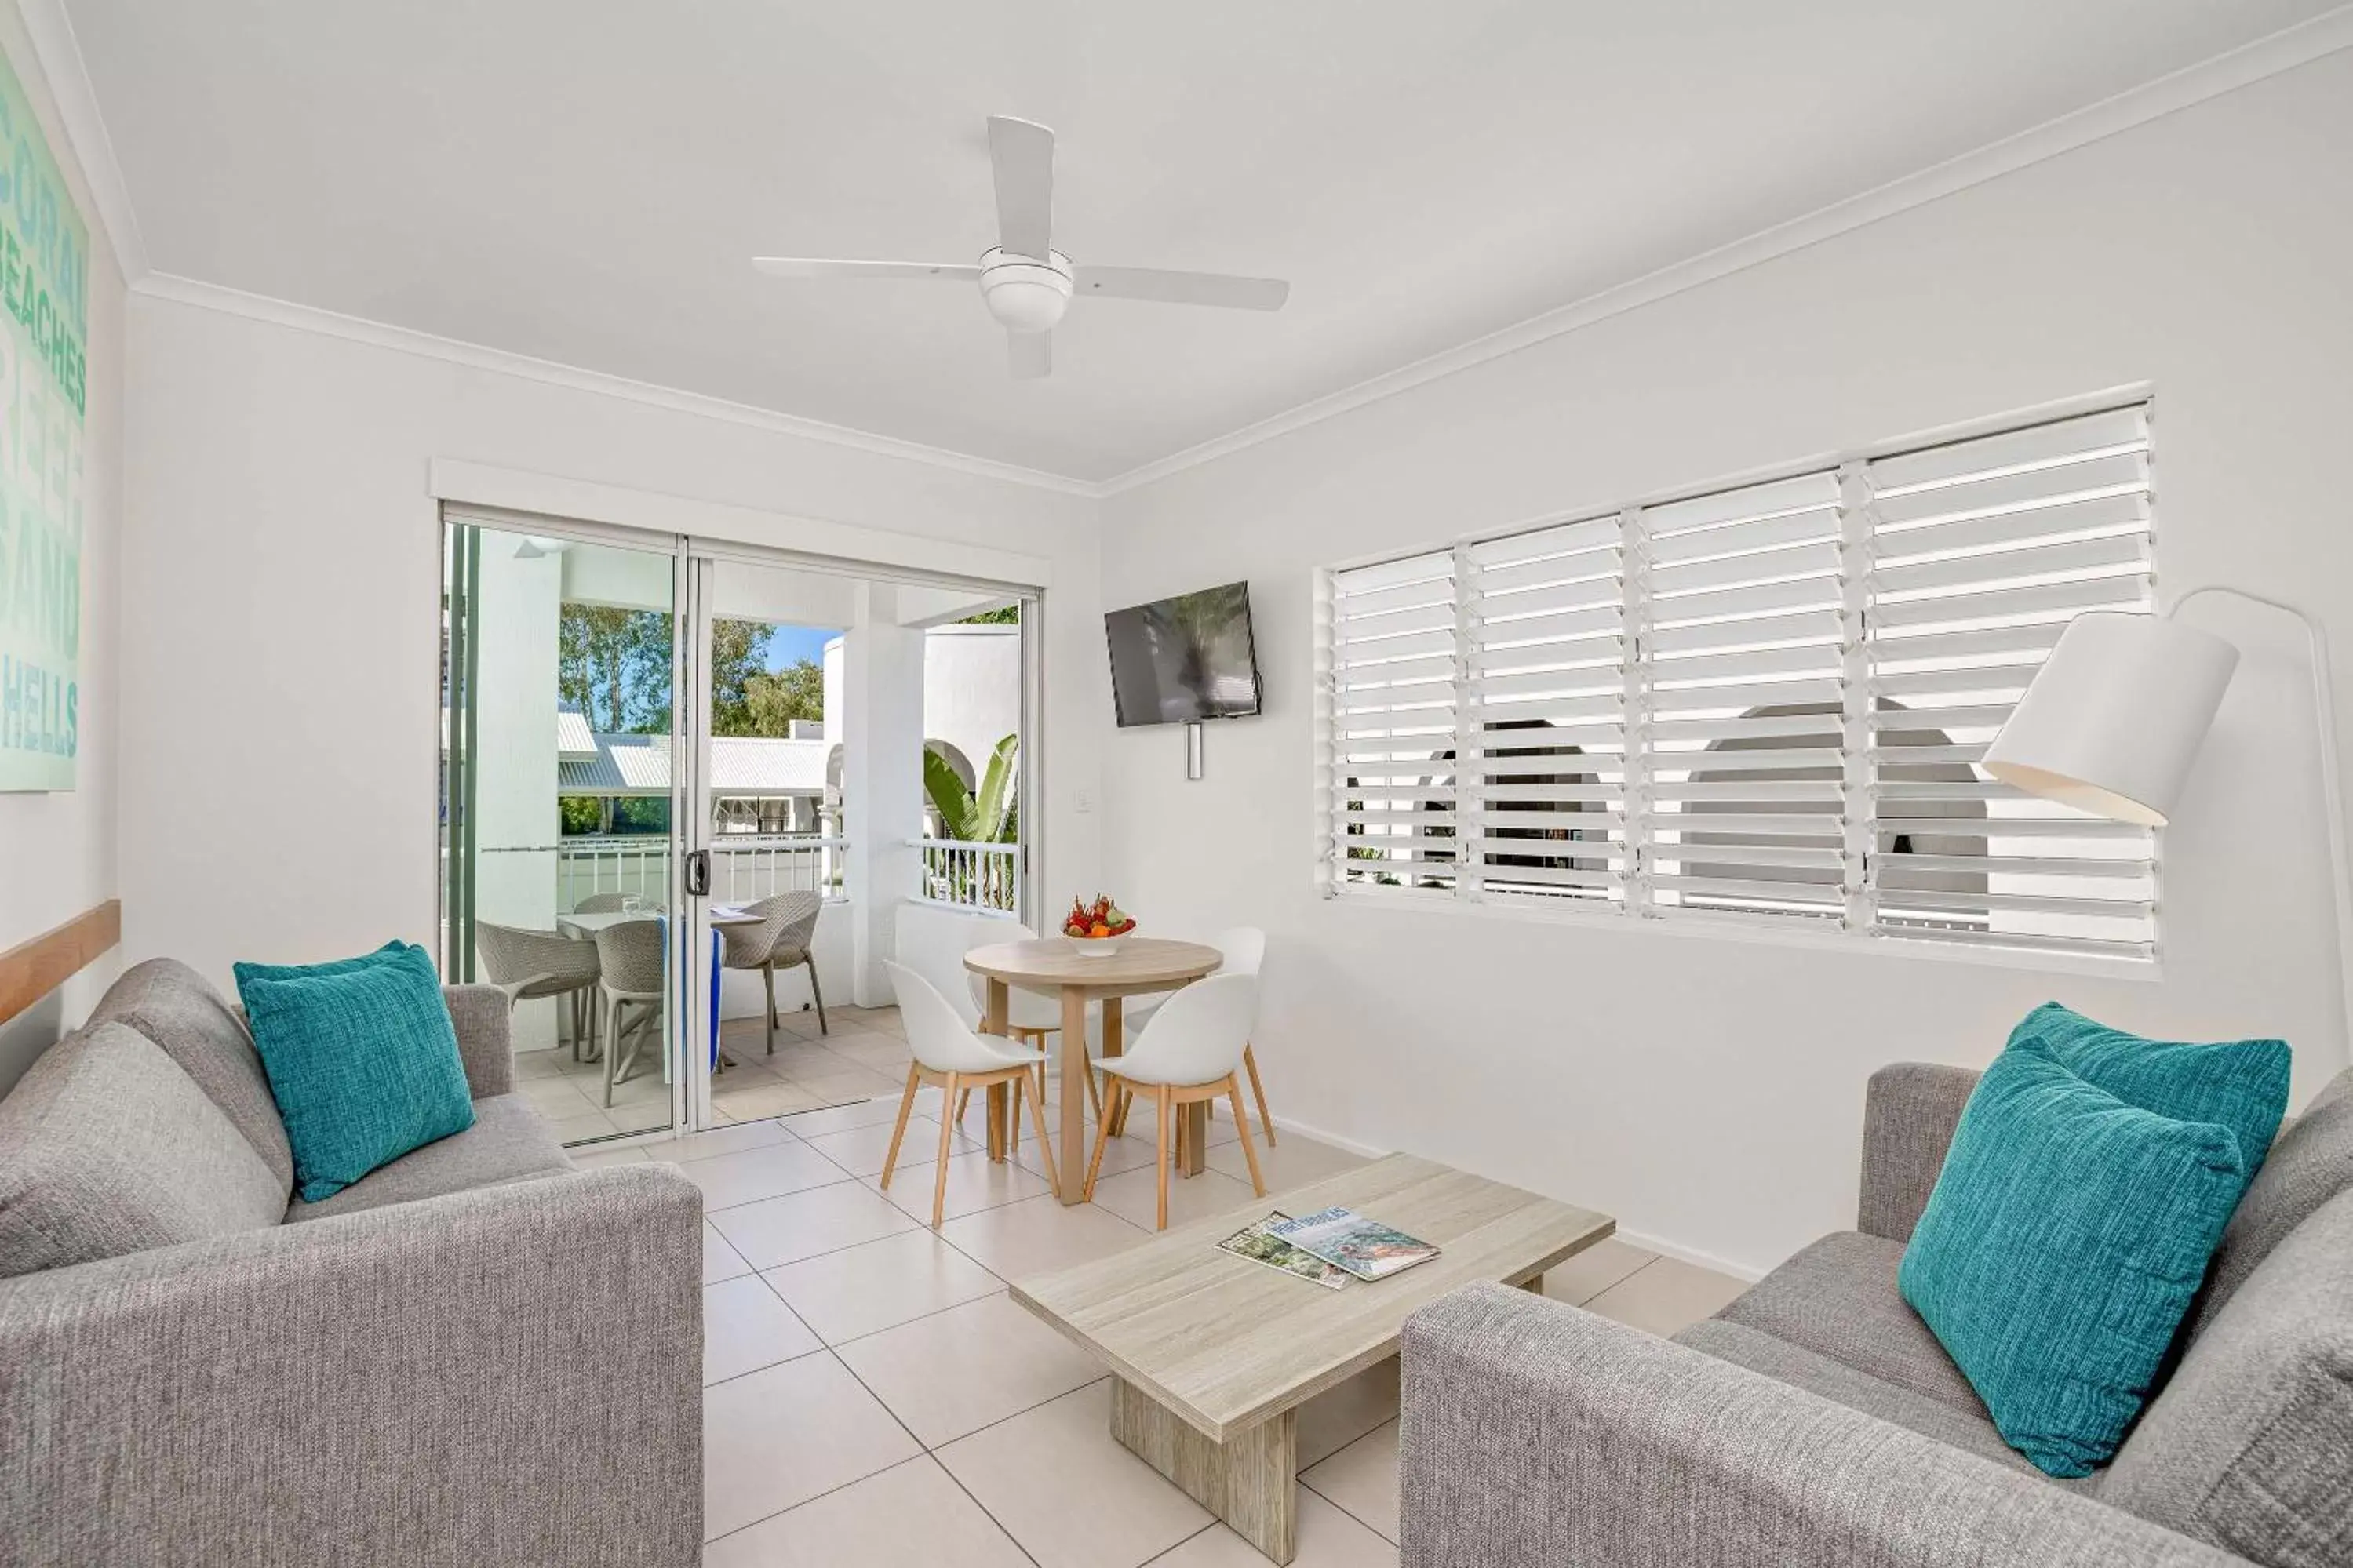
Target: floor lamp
x=2112 y=720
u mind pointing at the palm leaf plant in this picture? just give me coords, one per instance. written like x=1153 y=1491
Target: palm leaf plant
x=990 y=816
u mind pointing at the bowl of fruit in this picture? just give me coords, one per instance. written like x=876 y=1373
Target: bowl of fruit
x=1098 y=928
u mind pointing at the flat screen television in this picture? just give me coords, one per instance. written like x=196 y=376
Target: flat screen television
x=1177 y=660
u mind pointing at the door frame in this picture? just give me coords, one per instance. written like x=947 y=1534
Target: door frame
x=694 y=556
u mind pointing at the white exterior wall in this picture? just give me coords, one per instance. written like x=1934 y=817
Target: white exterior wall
x=515 y=815
x=1709 y=1091
x=971 y=689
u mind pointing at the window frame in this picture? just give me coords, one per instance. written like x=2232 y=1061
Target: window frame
x=1859 y=820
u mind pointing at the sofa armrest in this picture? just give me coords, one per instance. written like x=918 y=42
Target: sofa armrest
x=1909 y=1112
x=483 y=1018
x=507 y=1376
x=1536 y=1435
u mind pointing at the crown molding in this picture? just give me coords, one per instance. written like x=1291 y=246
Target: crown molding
x=403 y=340
x=58 y=53
x=61 y=60
x=2266 y=56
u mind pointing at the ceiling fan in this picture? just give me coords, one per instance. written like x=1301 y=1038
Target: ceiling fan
x=1027 y=285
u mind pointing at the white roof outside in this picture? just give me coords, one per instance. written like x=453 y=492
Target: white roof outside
x=573 y=736
x=741 y=765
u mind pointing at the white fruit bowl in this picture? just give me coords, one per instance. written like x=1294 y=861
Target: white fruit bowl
x=1097 y=946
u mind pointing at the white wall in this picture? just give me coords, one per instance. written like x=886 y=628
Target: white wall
x=58 y=852
x=972 y=690
x=283 y=576
x=1709 y=1091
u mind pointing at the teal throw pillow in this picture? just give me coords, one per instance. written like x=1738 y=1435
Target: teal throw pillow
x=2062 y=1246
x=2242 y=1084
x=361 y=1059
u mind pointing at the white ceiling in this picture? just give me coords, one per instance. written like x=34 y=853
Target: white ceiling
x=583 y=181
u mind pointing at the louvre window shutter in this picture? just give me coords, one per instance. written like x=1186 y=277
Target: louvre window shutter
x=1396 y=673
x=1983 y=551
x=1764 y=704
x=1744 y=683
x=1544 y=724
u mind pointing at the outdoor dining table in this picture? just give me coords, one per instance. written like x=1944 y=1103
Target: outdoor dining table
x=1052 y=967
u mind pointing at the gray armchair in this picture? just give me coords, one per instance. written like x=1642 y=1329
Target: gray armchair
x=1816 y=1421
x=784 y=938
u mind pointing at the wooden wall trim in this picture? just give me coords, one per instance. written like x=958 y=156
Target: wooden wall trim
x=31 y=970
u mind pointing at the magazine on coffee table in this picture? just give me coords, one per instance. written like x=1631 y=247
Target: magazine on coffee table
x=1256 y=1243
x=1364 y=1248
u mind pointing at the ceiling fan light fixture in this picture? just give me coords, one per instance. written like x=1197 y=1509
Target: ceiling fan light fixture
x=1024 y=294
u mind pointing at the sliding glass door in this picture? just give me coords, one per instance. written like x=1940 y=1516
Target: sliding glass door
x=564 y=680
x=690 y=792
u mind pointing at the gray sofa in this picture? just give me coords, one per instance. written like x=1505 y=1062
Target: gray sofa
x=476 y=1355
x=1816 y=1421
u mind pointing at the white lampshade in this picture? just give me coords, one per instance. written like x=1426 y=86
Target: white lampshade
x=2116 y=715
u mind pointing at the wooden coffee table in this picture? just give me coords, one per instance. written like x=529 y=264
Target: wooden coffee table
x=1213 y=1354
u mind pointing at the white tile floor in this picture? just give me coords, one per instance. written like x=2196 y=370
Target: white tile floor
x=875 y=1399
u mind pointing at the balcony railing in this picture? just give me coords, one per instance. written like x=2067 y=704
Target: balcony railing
x=969 y=876
x=742 y=869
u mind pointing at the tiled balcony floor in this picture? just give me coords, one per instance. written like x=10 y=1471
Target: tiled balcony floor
x=862 y=1055
x=873 y=1397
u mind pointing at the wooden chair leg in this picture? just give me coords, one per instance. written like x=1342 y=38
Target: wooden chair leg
x=1234 y=1093
x=1013 y=1120
x=1095 y=1095
x=1045 y=1139
x=817 y=994
x=1160 y=1094
x=1103 y=1137
x=940 y=1175
x=962 y=1101
x=768 y=974
x=1258 y=1092
x=898 y=1131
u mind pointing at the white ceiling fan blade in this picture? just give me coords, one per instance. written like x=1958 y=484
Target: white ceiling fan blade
x=1032 y=354
x=1022 y=153
x=1183 y=287
x=826 y=266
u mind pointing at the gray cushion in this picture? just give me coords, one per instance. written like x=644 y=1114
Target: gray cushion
x=2311 y=1163
x=1801 y=1368
x=507 y=1143
x=107 y=1147
x=170 y=1004
x=1838 y=1298
x=2250 y=1447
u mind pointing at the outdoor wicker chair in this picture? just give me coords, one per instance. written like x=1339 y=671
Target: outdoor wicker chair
x=784 y=938
x=602 y=904
x=631 y=954
x=527 y=964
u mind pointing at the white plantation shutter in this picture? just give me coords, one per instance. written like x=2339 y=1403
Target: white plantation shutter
x=1983 y=551
x=1744 y=681
x=1544 y=723
x=1395 y=673
x=1763 y=704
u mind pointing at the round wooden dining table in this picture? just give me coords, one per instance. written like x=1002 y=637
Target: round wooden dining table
x=1051 y=967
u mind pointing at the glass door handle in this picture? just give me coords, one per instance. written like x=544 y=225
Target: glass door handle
x=697 y=874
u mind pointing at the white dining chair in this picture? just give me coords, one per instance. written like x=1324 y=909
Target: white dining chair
x=948 y=1053
x=1189 y=1051
x=1244 y=949
x=1029 y=1019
